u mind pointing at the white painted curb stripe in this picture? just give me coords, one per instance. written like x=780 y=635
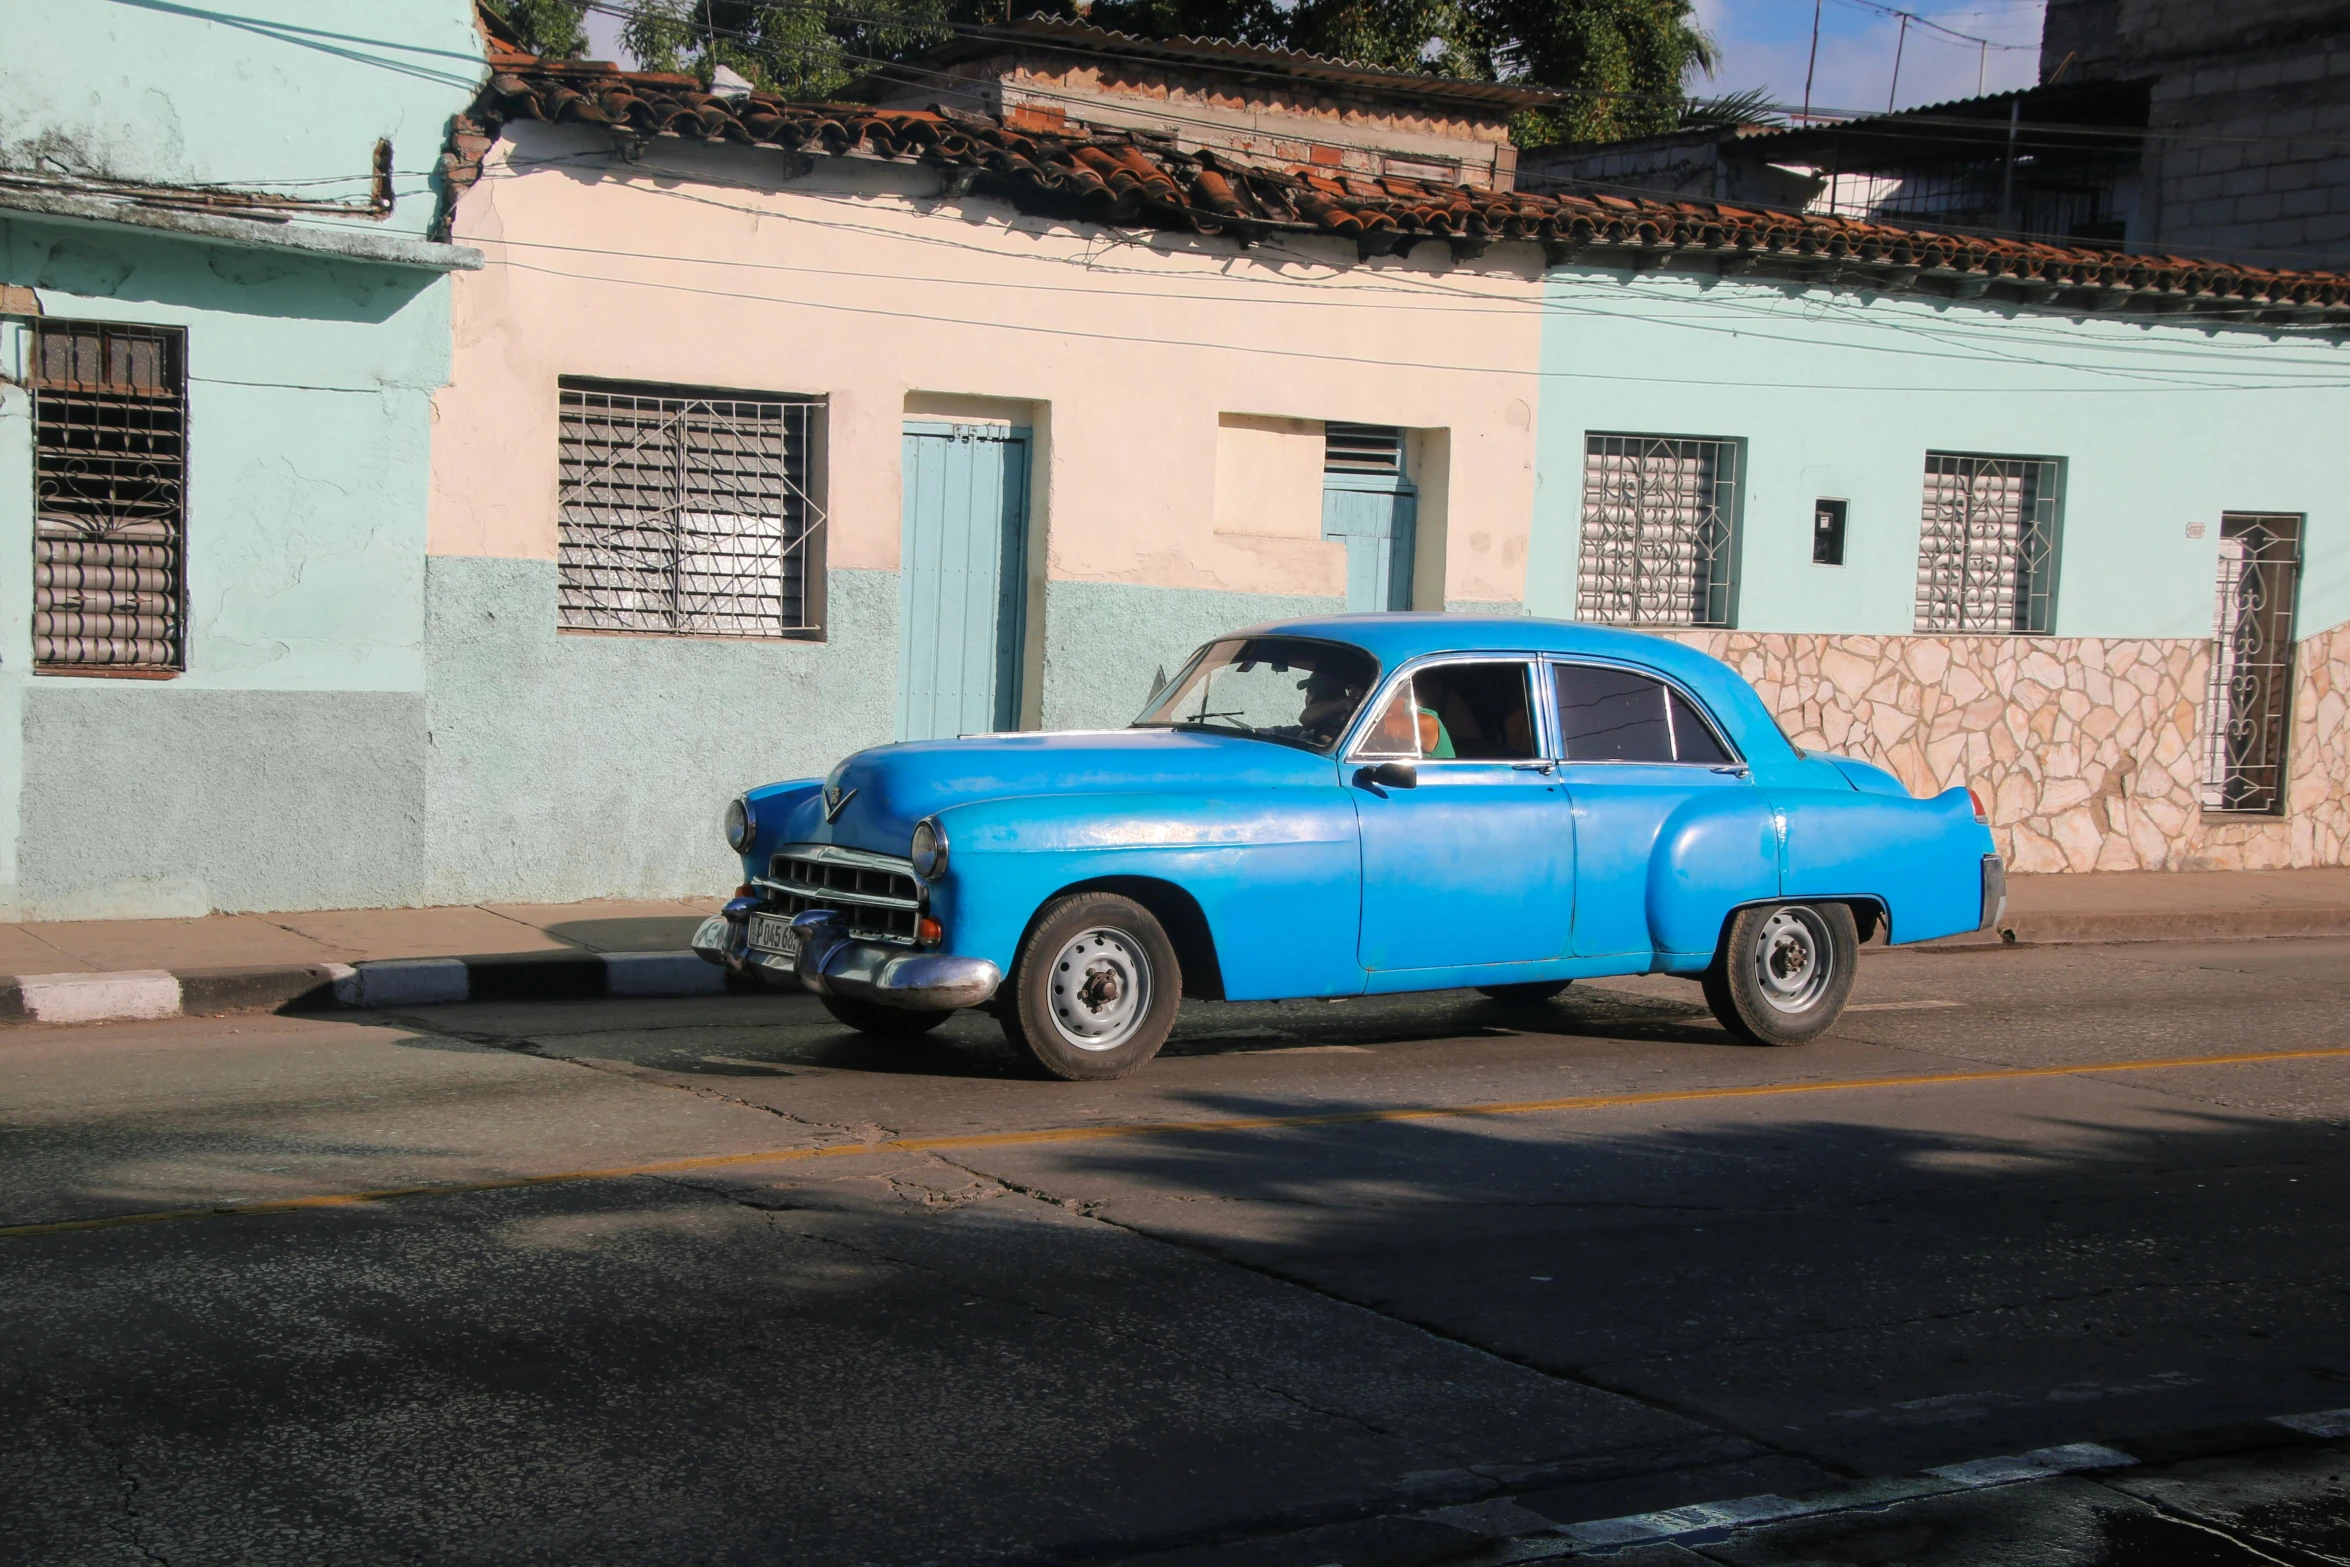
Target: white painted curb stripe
x=94 y=998
x=2042 y=1464
x=2326 y=1423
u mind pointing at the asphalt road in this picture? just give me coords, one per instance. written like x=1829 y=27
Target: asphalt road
x=1362 y=1282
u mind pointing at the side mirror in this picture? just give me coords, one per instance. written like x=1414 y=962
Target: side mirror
x=1381 y=776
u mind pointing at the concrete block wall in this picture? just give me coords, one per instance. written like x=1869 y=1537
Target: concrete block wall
x=2251 y=109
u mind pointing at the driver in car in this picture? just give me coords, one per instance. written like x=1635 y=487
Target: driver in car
x=1330 y=702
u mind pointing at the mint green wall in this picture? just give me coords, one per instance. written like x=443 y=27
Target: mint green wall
x=287 y=96
x=286 y=768
x=1106 y=642
x=568 y=766
x=1842 y=394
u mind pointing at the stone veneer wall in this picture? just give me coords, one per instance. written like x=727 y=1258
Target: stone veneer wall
x=2088 y=751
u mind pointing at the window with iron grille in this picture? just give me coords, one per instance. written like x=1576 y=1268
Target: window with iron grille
x=1987 y=544
x=110 y=494
x=1362 y=448
x=1659 y=519
x=2248 y=711
x=688 y=512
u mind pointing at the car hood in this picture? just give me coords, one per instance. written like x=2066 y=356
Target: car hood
x=891 y=787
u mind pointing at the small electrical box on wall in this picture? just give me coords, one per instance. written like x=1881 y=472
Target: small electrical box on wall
x=1827 y=532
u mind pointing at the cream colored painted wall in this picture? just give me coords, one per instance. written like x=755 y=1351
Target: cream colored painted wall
x=1269 y=480
x=853 y=284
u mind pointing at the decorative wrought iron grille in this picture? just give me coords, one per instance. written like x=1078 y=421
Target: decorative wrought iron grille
x=688 y=513
x=1987 y=544
x=2248 y=712
x=1658 y=519
x=110 y=494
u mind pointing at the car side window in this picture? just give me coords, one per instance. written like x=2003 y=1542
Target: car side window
x=1475 y=712
x=1693 y=738
x=1397 y=732
x=1611 y=715
x=1457 y=713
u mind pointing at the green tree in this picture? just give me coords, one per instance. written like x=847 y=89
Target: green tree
x=1624 y=64
x=798 y=48
x=555 y=29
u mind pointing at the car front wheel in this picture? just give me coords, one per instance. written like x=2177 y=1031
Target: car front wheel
x=1784 y=971
x=1093 y=991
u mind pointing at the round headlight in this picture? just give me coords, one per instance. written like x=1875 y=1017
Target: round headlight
x=741 y=825
x=930 y=849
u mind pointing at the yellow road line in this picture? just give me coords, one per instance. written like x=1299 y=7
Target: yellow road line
x=1254 y=1123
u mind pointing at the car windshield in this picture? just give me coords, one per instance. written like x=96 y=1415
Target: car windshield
x=1286 y=689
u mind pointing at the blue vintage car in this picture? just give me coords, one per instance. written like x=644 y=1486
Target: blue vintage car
x=1348 y=806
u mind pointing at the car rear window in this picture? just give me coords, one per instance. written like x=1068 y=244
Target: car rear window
x=1615 y=715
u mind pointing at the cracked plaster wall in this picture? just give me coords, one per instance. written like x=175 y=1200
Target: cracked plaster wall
x=2087 y=750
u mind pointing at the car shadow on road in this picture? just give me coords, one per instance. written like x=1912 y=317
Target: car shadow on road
x=1076 y=1352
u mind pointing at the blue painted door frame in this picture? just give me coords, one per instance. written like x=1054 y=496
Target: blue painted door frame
x=1377 y=515
x=962 y=579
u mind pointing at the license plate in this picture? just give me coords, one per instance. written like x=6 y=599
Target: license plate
x=773 y=933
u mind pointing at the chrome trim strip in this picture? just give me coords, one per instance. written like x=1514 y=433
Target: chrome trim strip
x=835 y=854
x=805 y=889
x=833 y=964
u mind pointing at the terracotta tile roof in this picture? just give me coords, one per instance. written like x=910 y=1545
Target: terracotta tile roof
x=1124 y=179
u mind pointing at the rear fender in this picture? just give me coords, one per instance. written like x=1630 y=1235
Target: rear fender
x=1719 y=849
x=1921 y=859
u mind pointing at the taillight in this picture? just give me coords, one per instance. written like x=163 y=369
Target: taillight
x=1981 y=815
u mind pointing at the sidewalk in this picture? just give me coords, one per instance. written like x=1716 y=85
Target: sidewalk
x=87 y=970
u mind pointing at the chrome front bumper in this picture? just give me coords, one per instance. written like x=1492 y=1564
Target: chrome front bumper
x=831 y=963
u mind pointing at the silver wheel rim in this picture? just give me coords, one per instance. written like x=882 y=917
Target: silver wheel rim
x=1101 y=989
x=1791 y=962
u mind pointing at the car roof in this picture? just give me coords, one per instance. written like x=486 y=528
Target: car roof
x=1400 y=637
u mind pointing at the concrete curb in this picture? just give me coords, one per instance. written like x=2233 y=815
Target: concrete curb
x=2270 y=922
x=127 y=995
x=1500 y=1531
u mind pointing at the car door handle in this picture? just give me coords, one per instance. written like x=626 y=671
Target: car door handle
x=1544 y=768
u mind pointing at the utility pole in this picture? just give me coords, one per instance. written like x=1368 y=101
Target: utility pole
x=1815 y=59
x=2008 y=220
x=1894 y=91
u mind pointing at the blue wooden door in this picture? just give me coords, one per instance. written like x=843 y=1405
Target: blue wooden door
x=962 y=579
x=1376 y=515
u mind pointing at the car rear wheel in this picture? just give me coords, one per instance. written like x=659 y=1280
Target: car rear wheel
x=1784 y=971
x=868 y=1017
x=1093 y=991
x=1526 y=995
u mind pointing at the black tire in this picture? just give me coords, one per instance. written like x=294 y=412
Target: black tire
x=868 y=1017
x=1532 y=993
x=1093 y=991
x=1784 y=971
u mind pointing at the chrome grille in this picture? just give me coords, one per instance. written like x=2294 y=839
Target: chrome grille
x=875 y=893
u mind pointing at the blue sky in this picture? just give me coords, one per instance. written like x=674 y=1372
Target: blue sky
x=1765 y=44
